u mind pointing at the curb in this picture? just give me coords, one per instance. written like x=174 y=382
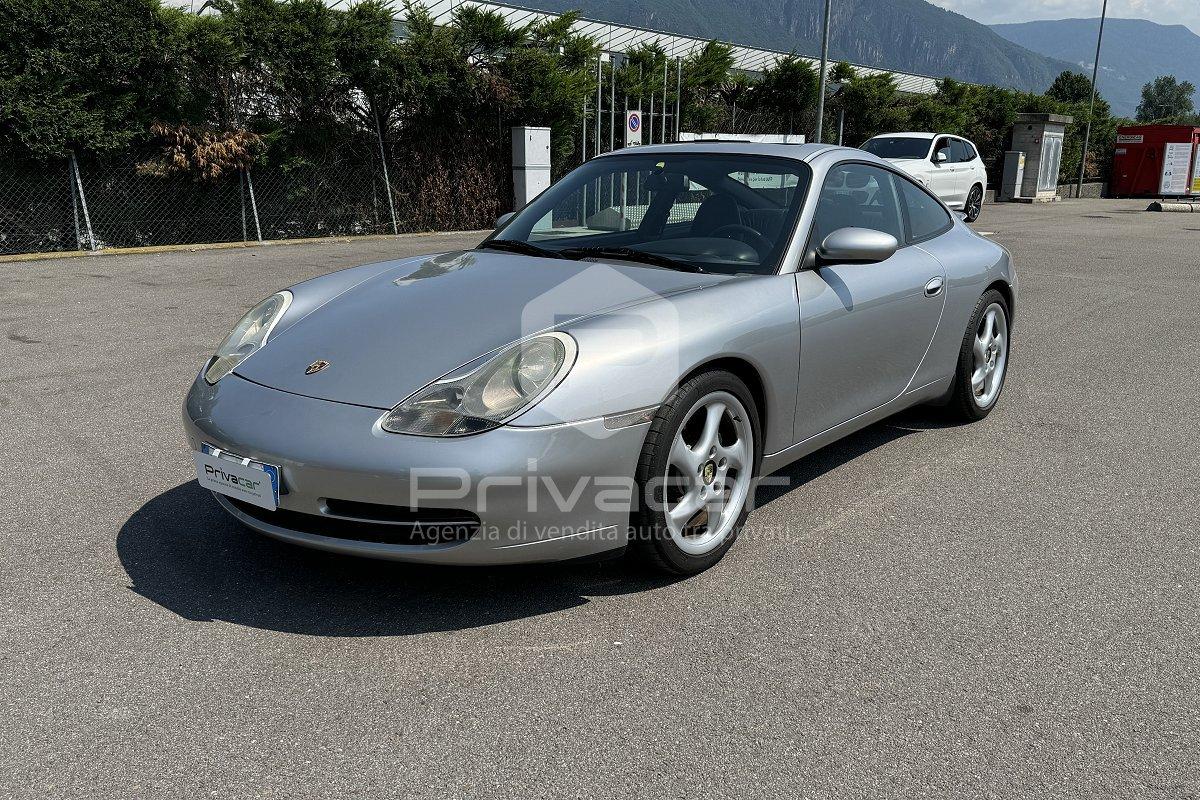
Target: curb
x=1185 y=208
x=194 y=248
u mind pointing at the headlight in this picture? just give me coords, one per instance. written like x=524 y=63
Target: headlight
x=481 y=397
x=249 y=335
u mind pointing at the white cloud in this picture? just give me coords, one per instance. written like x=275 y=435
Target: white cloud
x=1165 y=12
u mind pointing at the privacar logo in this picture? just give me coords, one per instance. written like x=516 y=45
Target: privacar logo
x=235 y=480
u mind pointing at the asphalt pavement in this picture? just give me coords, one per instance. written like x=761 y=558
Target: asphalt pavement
x=994 y=610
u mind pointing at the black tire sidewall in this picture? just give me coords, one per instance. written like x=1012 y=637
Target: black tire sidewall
x=962 y=402
x=648 y=521
x=974 y=189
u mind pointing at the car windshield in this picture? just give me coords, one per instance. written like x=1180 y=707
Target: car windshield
x=725 y=213
x=899 y=146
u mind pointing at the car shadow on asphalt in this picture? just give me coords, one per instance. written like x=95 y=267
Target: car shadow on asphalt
x=184 y=553
x=813 y=466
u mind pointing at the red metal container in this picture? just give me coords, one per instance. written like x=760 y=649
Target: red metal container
x=1156 y=161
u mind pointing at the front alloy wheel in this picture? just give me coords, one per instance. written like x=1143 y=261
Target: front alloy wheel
x=696 y=474
x=708 y=473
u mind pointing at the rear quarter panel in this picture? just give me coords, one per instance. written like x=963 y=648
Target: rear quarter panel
x=972 y=263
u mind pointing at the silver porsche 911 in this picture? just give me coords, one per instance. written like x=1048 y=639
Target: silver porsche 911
x=612 y=369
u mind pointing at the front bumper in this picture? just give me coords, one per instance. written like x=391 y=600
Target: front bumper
x=541 y=494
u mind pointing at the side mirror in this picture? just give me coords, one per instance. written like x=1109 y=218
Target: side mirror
x=940 y=157
x=857 y=246
x=503 y=218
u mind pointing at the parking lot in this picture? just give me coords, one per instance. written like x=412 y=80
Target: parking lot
x=1002 y=609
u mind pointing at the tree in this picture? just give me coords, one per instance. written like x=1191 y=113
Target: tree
x=544 y=80
x=706 y=71
x=370 y=61
x=1165 y=97
x=872 y=107
x=842 y=72
x=88 y=75
x=1070 y=87
x=788 y=87
x=641 y=73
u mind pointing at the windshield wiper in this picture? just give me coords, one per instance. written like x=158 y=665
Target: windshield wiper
x=630 y=254
x=516 y=246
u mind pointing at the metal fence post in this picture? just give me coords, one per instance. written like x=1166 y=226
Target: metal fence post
x=87 y=220
x=387 y=184
x=678 y=93
x=612 y=103
x=253 y=204
x=242 y=193
x=599 y=98
x=74 y=204
x=663 y=134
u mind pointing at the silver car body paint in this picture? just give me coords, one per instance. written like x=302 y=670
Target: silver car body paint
x=832 y=350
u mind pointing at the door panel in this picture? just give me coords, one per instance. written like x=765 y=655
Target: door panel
x=964 y=172
x=943 y=177
x=864 y=329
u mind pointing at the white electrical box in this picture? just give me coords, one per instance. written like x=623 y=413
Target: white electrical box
x=531 y=164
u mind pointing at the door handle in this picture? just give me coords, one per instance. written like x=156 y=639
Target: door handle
x=934 y=287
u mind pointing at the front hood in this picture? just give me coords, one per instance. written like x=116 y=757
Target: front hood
x=413 y=323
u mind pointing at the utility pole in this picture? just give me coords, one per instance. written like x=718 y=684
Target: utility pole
x=825 y=71
x=1087 y=132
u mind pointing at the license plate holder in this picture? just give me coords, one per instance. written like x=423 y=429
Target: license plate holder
x=245 y=479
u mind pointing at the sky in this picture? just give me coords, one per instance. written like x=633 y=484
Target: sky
x=1165 y=12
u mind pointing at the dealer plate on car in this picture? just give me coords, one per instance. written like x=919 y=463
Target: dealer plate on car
x=240 y=478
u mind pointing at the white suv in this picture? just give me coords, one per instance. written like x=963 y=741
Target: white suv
x=949 y=166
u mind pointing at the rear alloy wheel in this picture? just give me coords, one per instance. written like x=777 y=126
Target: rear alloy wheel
x=697 y=469
x=983 y=360
x=974 y=204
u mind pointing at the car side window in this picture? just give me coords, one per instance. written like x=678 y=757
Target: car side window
x=968 y=152
x=958 y=151
x=926 y=216
x=857 y=196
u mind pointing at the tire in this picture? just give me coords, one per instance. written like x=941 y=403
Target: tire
x=967 y=403
x=974 y=205
x=666 y=532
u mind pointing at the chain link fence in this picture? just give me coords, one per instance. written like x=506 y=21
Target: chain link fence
x=78 y=205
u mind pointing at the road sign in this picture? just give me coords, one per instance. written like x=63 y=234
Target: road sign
x=633 y=128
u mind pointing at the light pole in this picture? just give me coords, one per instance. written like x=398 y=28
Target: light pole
x=824 y=71
x=1087 y=131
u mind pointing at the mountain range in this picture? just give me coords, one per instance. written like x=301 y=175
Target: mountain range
x=1135 y=52
x=903 y=35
